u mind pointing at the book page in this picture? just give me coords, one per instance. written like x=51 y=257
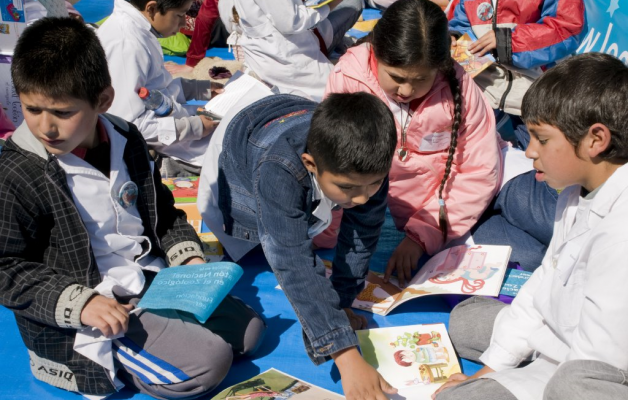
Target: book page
x=471 y=63
x=239 y=86
x=274 y=384
x=474 y=270
x=415 y=359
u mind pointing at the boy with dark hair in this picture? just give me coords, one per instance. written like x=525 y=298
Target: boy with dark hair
x=129 y=37
x=282 y=164
x=86 y=224
x=571 y=317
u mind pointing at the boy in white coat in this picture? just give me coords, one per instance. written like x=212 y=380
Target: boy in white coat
x=129 y=37
x=571 y=318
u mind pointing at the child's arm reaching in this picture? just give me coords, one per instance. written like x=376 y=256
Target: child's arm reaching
x=457 y=379
x=360 y=381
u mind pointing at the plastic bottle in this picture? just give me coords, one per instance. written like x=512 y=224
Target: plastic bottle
x=156 y=101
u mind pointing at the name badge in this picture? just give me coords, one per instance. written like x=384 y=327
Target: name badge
x=127 y=196
x=435 y=142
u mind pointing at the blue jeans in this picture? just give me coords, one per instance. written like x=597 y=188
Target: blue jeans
x=521 y=216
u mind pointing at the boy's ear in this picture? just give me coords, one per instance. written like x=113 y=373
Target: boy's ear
x=598 y=139
x=151 y=8
x=309 y=162
x=105 y=100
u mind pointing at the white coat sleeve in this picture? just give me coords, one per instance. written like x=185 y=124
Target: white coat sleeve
x=515 y=324
x=291 y=16
x=129 y=65
x=603 y=324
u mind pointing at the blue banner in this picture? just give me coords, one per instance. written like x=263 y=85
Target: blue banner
x=606 y=30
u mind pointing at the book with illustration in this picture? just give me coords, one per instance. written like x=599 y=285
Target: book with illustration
x=184 y=189
x=464 y=269
x=415 y=359
x=275 y=385
x=471 y=63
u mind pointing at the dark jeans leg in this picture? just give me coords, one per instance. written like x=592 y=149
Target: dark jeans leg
x=522 y=216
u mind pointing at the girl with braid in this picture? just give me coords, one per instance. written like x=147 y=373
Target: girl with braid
x=448 y=164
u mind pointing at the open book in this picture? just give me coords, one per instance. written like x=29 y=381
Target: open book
x=470 y=62
x=197 y=289
x=464 y=269
x=414 y=359
x=236 y=88
x=274 y=384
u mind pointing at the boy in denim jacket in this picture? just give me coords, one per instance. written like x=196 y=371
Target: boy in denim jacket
x=284 y=163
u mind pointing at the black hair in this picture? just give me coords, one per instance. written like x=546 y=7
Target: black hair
x=162 y=5
x=60 y=58
x=352 y=133
x=581 y=91
x=413 y=34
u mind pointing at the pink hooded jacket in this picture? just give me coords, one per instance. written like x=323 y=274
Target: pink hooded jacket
x=477 y=166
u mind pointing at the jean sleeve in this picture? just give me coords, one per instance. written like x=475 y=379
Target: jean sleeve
x=283 y=230
x=359 y=233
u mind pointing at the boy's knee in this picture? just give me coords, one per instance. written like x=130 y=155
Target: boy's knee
x=582 y=379
x=253 y=336
x=471 y=325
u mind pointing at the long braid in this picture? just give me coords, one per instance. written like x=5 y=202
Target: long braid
x=454 y=85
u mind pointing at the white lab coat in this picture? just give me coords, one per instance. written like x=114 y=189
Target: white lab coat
x=575 y=306
x=280 y=47
x=135 y=59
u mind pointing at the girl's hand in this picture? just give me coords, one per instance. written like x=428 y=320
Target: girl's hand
x=404 y=259
x=107 y=315
x=357 y=321
x=360 y=381
x=457 y=379
x=484 y=44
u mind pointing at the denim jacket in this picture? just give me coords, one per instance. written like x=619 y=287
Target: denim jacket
x=265 y=195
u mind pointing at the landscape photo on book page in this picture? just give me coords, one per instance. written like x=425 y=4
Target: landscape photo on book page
x=276 y=385
x=415 y=359
x=464 y=269
x=471 y=63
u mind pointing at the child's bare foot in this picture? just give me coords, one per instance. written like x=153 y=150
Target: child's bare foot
x=178 y=68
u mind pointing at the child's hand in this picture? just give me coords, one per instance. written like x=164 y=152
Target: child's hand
x=404 y=259
x=194 y=260
x=457 y=379
x=484 y=44
x=357 y=321
x=106 y=314
x=209 y=125
x=360 y=381
x=217 y=88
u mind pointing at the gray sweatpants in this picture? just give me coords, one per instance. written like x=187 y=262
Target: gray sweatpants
x=471 y=326
x=167 y=354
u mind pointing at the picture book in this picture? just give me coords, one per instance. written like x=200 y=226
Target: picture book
x=193 y=216
x=184 y=189
x=12 y=23
x=513 y=281
x=197 y=289
x=211 y=247
x=464 y=269
x=275 y=385
x=470 y=62
x=239 y=86
x=415 y=359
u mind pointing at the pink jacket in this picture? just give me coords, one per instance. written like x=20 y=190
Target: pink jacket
x=477 y=168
